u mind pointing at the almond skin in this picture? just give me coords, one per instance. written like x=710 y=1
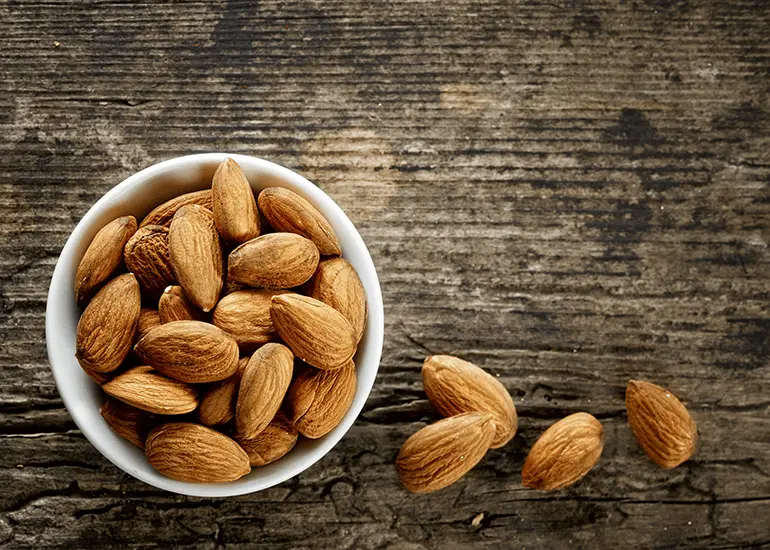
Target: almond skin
x=441 y=453
x=128 y=422
x=263 y=386
x=276 y=260
x=337 y=284
x=190 y=351
x=148 y=319
x=455 y=386
x=174 y=306
x=272 y=443
x=245 y=315
x=287 y=211
x=196 y=255
x=163 y=214
x=103 y=256
x=146 y=389
x=107 y=327
x=564 y=453
x=317 y=400
x=316 y=333
x=195 y=453
x=217 y=404
x=661 y=424
x=146 y=256
x=233 y=204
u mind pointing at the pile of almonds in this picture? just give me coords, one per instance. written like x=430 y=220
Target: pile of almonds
x=480 y=415
x=220 y=337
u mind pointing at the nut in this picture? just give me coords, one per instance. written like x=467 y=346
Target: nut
x=276 y=260
x=163 y=214
x=146 y=389
x=233 y=204
x=318 y=399
x=146 y=256
x=337 y=284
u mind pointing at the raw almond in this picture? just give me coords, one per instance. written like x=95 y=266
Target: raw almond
x=163 y=214
x=146 y=389
x=317 y=400
x=146 y=256
x=148 y=319
x=128 y=422
x=190 y=351
x=263 y=386
x=455 y=386
x=441 y=453
x=195 y=453
x=196 y=255
x=107 y=327
x=287 y=211
x=316 y=333
x=564 y=453
x=336 y=283
x=174 y=306
x=217 y=404
x=103 y=256
x=662 y=426
x=272 y=443
x=276 y=260
x=245 y=315
x=233 y=204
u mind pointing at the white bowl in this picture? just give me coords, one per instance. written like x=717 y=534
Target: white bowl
x=136 y=196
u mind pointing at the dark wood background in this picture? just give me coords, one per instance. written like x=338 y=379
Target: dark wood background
x=570 y=194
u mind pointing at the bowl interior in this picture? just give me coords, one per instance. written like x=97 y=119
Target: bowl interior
x=136 y=196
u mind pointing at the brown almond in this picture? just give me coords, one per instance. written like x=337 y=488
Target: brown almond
x=662 y=425
x=316 y=333
x=148 y=319
x=276 y=260
x=286 y=211
x=146 y=256
x=174 y=306
x=195 y=453
x=163 y=214
x=318 y=400
x=146 y=389
x=272 y=443
x=263 y=386
x=564 y=453
x=128 y=422
x=233 y=204
x=337 y=284
x=245 y=315
x=443 y=452
x=190 y=351
x=455 y=386
x=107 y=327
x=196 y=255
x=102 y=257
x=217 y=404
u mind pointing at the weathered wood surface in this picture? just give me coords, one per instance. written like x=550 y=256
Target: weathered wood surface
x=567 y=193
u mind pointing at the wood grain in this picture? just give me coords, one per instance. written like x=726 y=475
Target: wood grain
x=570 y=194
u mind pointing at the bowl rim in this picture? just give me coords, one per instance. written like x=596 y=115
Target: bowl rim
x=374 y=334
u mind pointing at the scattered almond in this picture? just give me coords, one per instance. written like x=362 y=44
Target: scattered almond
x=174 y=306
x=233 y=204
x=163 y=214
x=272 y=443
x=146 y=256
x=318 y=400
x=146 y=389
x=276 y=260
x=337 y=284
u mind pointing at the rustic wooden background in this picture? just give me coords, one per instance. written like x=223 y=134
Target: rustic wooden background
x=569 y=193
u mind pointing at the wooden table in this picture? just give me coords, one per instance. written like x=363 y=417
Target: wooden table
x=569 y=194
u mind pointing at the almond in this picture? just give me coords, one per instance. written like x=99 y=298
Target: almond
x=276 y=260
x=287 y=211
x=564 y=453
x=128 y=422
x=195 y=453
x=196 y=255
x=316 y=333
x=317 y=400
x=455 y=386
x=148 y=319
x=146 y=256
x=146 y=389
x=336 y=283
x=217 y=405
x=233 y=204
x=662 y=426
x=103 y=256
x=163 y=214
x=272 y=443
x=263 y=386
x=98 y=377
x=245 y=315
x=190 y=351
x=441 y=453
x=107 y=327
x=174 y=306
